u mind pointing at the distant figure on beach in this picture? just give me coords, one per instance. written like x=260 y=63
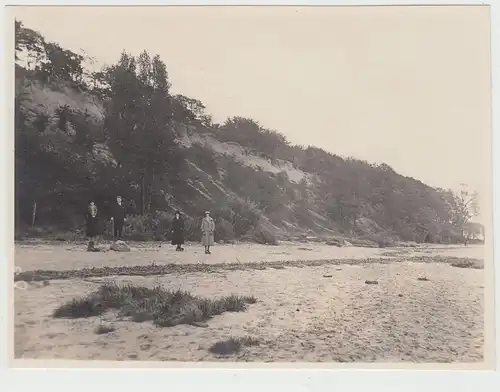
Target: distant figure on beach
x=118 y=218
x=178 y=231
x=92 y=225
x=207 y=231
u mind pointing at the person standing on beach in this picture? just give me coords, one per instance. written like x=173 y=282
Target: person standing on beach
x=118 y=218
x=92 y=226
x=207 y=230
x=178 y=231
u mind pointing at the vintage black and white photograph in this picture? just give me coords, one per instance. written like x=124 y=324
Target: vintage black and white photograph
x=257 y=184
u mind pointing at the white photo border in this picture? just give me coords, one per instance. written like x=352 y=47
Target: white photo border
x=289 y=379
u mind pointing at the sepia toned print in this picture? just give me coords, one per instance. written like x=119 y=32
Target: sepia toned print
x=272 y=185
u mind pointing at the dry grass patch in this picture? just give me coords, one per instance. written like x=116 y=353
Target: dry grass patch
x=467 y=263
x=264 y=237
x=165 y=308
x=164 y=269
x=233 y=345
x=102 y=329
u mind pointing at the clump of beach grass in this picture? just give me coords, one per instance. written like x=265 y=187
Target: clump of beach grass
x=467 y=263
x=165 y=308
x=233 y=345
x=103 y=329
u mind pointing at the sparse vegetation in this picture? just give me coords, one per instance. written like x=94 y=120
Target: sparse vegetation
x=265 y=237
x=203 y=157
x=233 y=345
x=467 y=263
x=163 y=269
x=240 y=215
x=165 y=308
x=103 y=329
x=79 y=308
x=156 y=226
x=224 y=230
x=382 y=241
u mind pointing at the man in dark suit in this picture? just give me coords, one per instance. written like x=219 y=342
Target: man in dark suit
x=118 y=217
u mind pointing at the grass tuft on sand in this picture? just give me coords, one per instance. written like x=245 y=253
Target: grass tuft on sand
x=103 y=329
x=467 y=263
x=166 y=308
x=233 y=345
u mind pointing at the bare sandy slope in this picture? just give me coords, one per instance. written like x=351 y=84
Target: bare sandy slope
x=326 y=313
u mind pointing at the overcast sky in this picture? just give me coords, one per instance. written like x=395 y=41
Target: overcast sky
x=409 y=86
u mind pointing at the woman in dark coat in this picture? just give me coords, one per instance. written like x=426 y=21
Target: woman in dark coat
x=92 y=225
x=178 y=231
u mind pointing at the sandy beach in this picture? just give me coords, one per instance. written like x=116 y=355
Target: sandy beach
x=321 y=312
